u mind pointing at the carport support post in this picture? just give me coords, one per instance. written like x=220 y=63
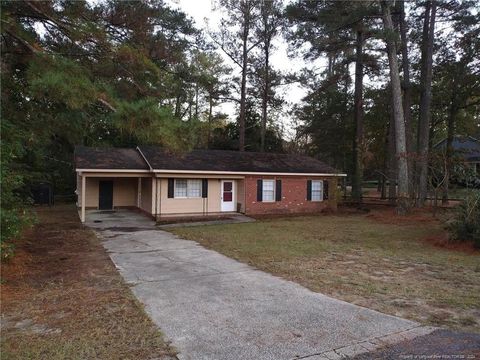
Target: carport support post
x=154 y=196
x=139 y=192
x=83 y=198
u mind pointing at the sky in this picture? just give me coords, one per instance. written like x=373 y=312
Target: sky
x=203 y=12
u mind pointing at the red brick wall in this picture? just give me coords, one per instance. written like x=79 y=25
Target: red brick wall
x=294 y=196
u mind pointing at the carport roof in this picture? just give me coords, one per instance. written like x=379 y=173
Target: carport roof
x=100 y=158
x=157 y=159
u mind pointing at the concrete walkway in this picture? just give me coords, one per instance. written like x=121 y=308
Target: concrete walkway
x=233 y=219
x=213 y=307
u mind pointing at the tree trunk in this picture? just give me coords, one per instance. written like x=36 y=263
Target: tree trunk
x=449 y=148
x=178 y=106
x=407 y=96
x=400 y=141
x=425 y=100
x=358 y=147
x=209 y=131
x=243 y=87
x=266 y=90
x=196 y=101
x=385 y=165
x=392 y=163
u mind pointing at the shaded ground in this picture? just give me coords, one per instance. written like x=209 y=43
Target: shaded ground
x=441 y=344
x=377 y=260
x=62 y=298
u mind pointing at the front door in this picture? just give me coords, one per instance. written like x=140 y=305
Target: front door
x=228 y=195
x=105 y=195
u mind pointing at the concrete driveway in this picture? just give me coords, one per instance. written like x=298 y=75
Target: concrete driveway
x=213 y=307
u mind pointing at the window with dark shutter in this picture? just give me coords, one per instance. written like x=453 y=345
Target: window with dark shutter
x=325 y=189
x=309 y=190
x=278 y=190
x=204 y=188
x=259 y=189
x=171 y=185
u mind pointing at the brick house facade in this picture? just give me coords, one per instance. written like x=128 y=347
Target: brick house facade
x=294 y=196
x=202 y=182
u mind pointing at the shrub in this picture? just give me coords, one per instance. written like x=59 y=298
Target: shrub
x=466 y=226
x=13 y=221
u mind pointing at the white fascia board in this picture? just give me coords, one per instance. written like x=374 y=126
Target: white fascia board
x=242 y=173
x=144 y=158
x=113 y=170
x=207 y=172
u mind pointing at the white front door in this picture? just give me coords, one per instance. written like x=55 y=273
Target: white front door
x=227 y=195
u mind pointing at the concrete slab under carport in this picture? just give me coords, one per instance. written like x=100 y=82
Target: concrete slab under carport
x=119 y=219
x=213 y=307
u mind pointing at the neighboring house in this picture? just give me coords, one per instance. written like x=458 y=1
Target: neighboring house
x=466 y=148
x=202 y=182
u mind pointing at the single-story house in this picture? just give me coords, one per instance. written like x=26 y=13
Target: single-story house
x=466 y=148
x=202 y=182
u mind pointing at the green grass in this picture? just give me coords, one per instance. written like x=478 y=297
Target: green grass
x=385 y=266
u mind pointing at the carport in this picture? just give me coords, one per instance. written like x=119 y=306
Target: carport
x=112 y=179
x=113 y=191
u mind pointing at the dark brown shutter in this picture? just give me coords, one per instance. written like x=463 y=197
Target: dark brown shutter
x=204 y=188
x=309 y=190
x=259 y=190
x=325 y=189
x=278 y=190
x=170 y=187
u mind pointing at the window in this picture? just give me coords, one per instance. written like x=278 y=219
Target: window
x=268 y=190
x=186 y=188
x=317 y=190
x=194 y=188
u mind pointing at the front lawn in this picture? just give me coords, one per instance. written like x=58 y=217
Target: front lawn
x=373 y=260
x=62 y=298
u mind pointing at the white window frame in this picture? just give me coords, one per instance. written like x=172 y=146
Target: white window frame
x=188 y=189
x=273 y=190
x=320 y=182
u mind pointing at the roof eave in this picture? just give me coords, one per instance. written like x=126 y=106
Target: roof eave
x=171 y=171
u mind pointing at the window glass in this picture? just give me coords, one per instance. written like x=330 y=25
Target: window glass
x=194 y=188
x=188 y=188
x=181 y=188
x=268 y=190
x=317 y=190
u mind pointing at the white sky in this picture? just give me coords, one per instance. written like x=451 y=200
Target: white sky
x=202 y=11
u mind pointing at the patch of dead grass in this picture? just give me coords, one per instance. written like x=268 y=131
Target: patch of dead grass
x=373 y=260
x=62 y=298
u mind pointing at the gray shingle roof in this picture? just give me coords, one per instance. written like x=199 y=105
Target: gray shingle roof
x=465 y=146
x=227 y=160
x=197 y=160
x=108 y=158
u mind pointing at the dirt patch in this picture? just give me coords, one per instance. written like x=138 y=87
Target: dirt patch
x=443 y=241
x=389 y=216
x=63 y=298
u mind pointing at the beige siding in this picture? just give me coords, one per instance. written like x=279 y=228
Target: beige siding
x=124 y=191
x=214 y=187
x=240 y=185
x=146 y=203
x=91 y=192
x=189 y=206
